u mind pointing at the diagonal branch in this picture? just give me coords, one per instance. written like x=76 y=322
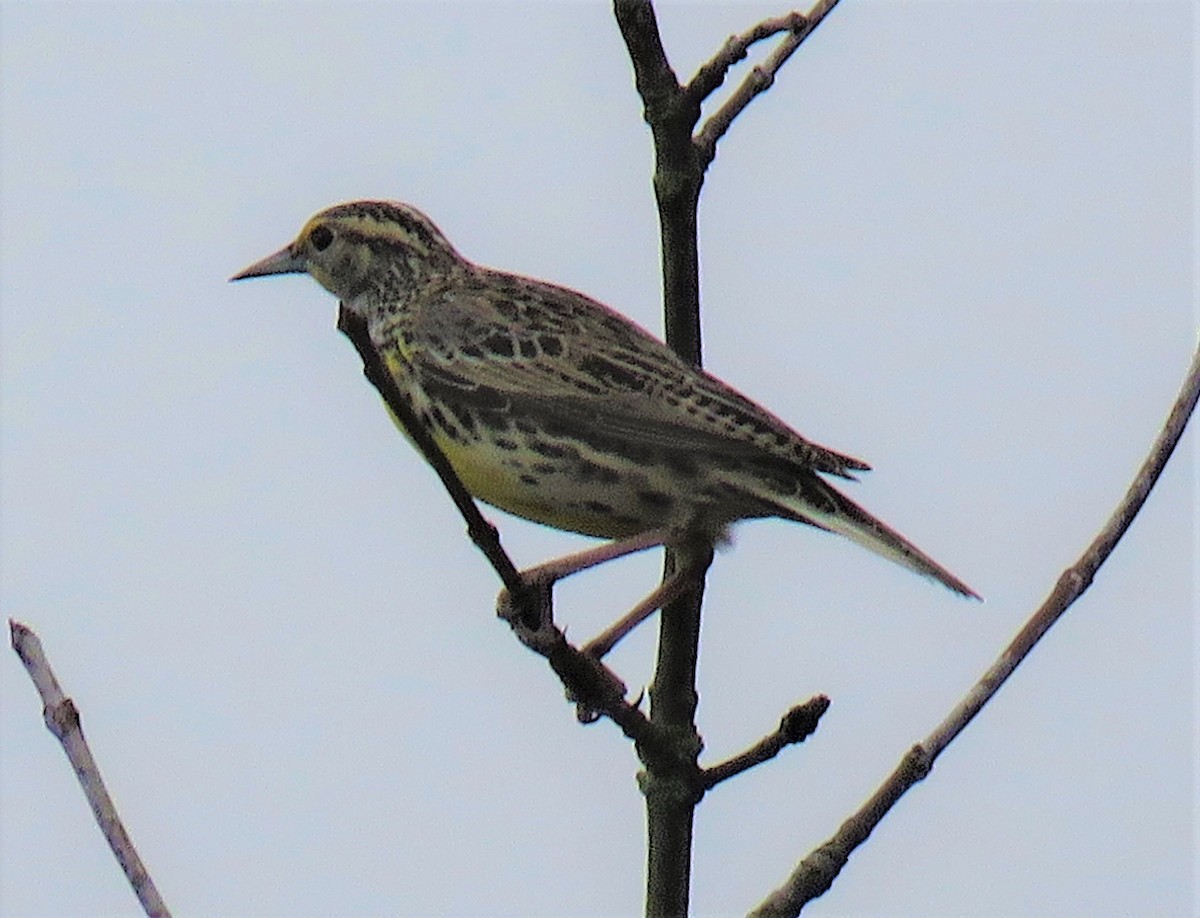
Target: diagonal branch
x=814 y=875
x=528 y=609
x=482 y=533
x=62 y=719
x=597 y=691
x=760 y=77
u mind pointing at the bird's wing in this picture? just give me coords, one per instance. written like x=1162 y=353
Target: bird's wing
x=547 y=352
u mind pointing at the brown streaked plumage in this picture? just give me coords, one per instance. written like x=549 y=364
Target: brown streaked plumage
x=554 y=407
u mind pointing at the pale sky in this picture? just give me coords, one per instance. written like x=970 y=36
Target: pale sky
x=957 y=239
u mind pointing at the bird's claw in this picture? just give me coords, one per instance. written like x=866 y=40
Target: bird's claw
x=531 y=609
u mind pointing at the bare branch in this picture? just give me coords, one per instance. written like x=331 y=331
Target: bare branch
x=1078 y=577
x=62 y=719
x=758 y=81
x=796 y=726
x=597 y=691
x=814 y=875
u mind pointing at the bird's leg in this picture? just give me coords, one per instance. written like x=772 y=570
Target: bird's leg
x=553 y=571
x=665 y=592
x=690 y=562
x=543 y=576
x=691 y=558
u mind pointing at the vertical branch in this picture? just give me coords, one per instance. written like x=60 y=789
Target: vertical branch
x=678 y=174
x=673 y=785
x=671 y=114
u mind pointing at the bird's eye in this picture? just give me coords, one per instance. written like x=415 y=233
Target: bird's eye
x=321 y=238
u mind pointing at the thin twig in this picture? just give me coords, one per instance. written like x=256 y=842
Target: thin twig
x=796 y=726
x=62 y=719
x=712 y=73
x=1078 y=577
x=757 y=81
x=814 y=875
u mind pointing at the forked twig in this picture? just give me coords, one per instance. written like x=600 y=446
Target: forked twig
x=760 y=78
x=711 y=75
x=814 y=875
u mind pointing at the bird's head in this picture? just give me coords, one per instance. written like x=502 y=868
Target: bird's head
x=363 y=247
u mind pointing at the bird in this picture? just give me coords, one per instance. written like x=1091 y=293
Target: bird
x=556 y=408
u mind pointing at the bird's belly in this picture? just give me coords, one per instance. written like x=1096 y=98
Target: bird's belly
x=580 y=494
x=564 y=481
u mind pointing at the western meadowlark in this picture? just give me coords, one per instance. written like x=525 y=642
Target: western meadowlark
x=556 y=408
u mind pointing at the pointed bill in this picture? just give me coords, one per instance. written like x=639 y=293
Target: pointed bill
x=282 y=262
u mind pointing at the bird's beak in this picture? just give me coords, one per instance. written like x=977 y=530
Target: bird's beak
x=282 y=262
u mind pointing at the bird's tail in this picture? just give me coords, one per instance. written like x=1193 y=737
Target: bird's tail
x=823 y=505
